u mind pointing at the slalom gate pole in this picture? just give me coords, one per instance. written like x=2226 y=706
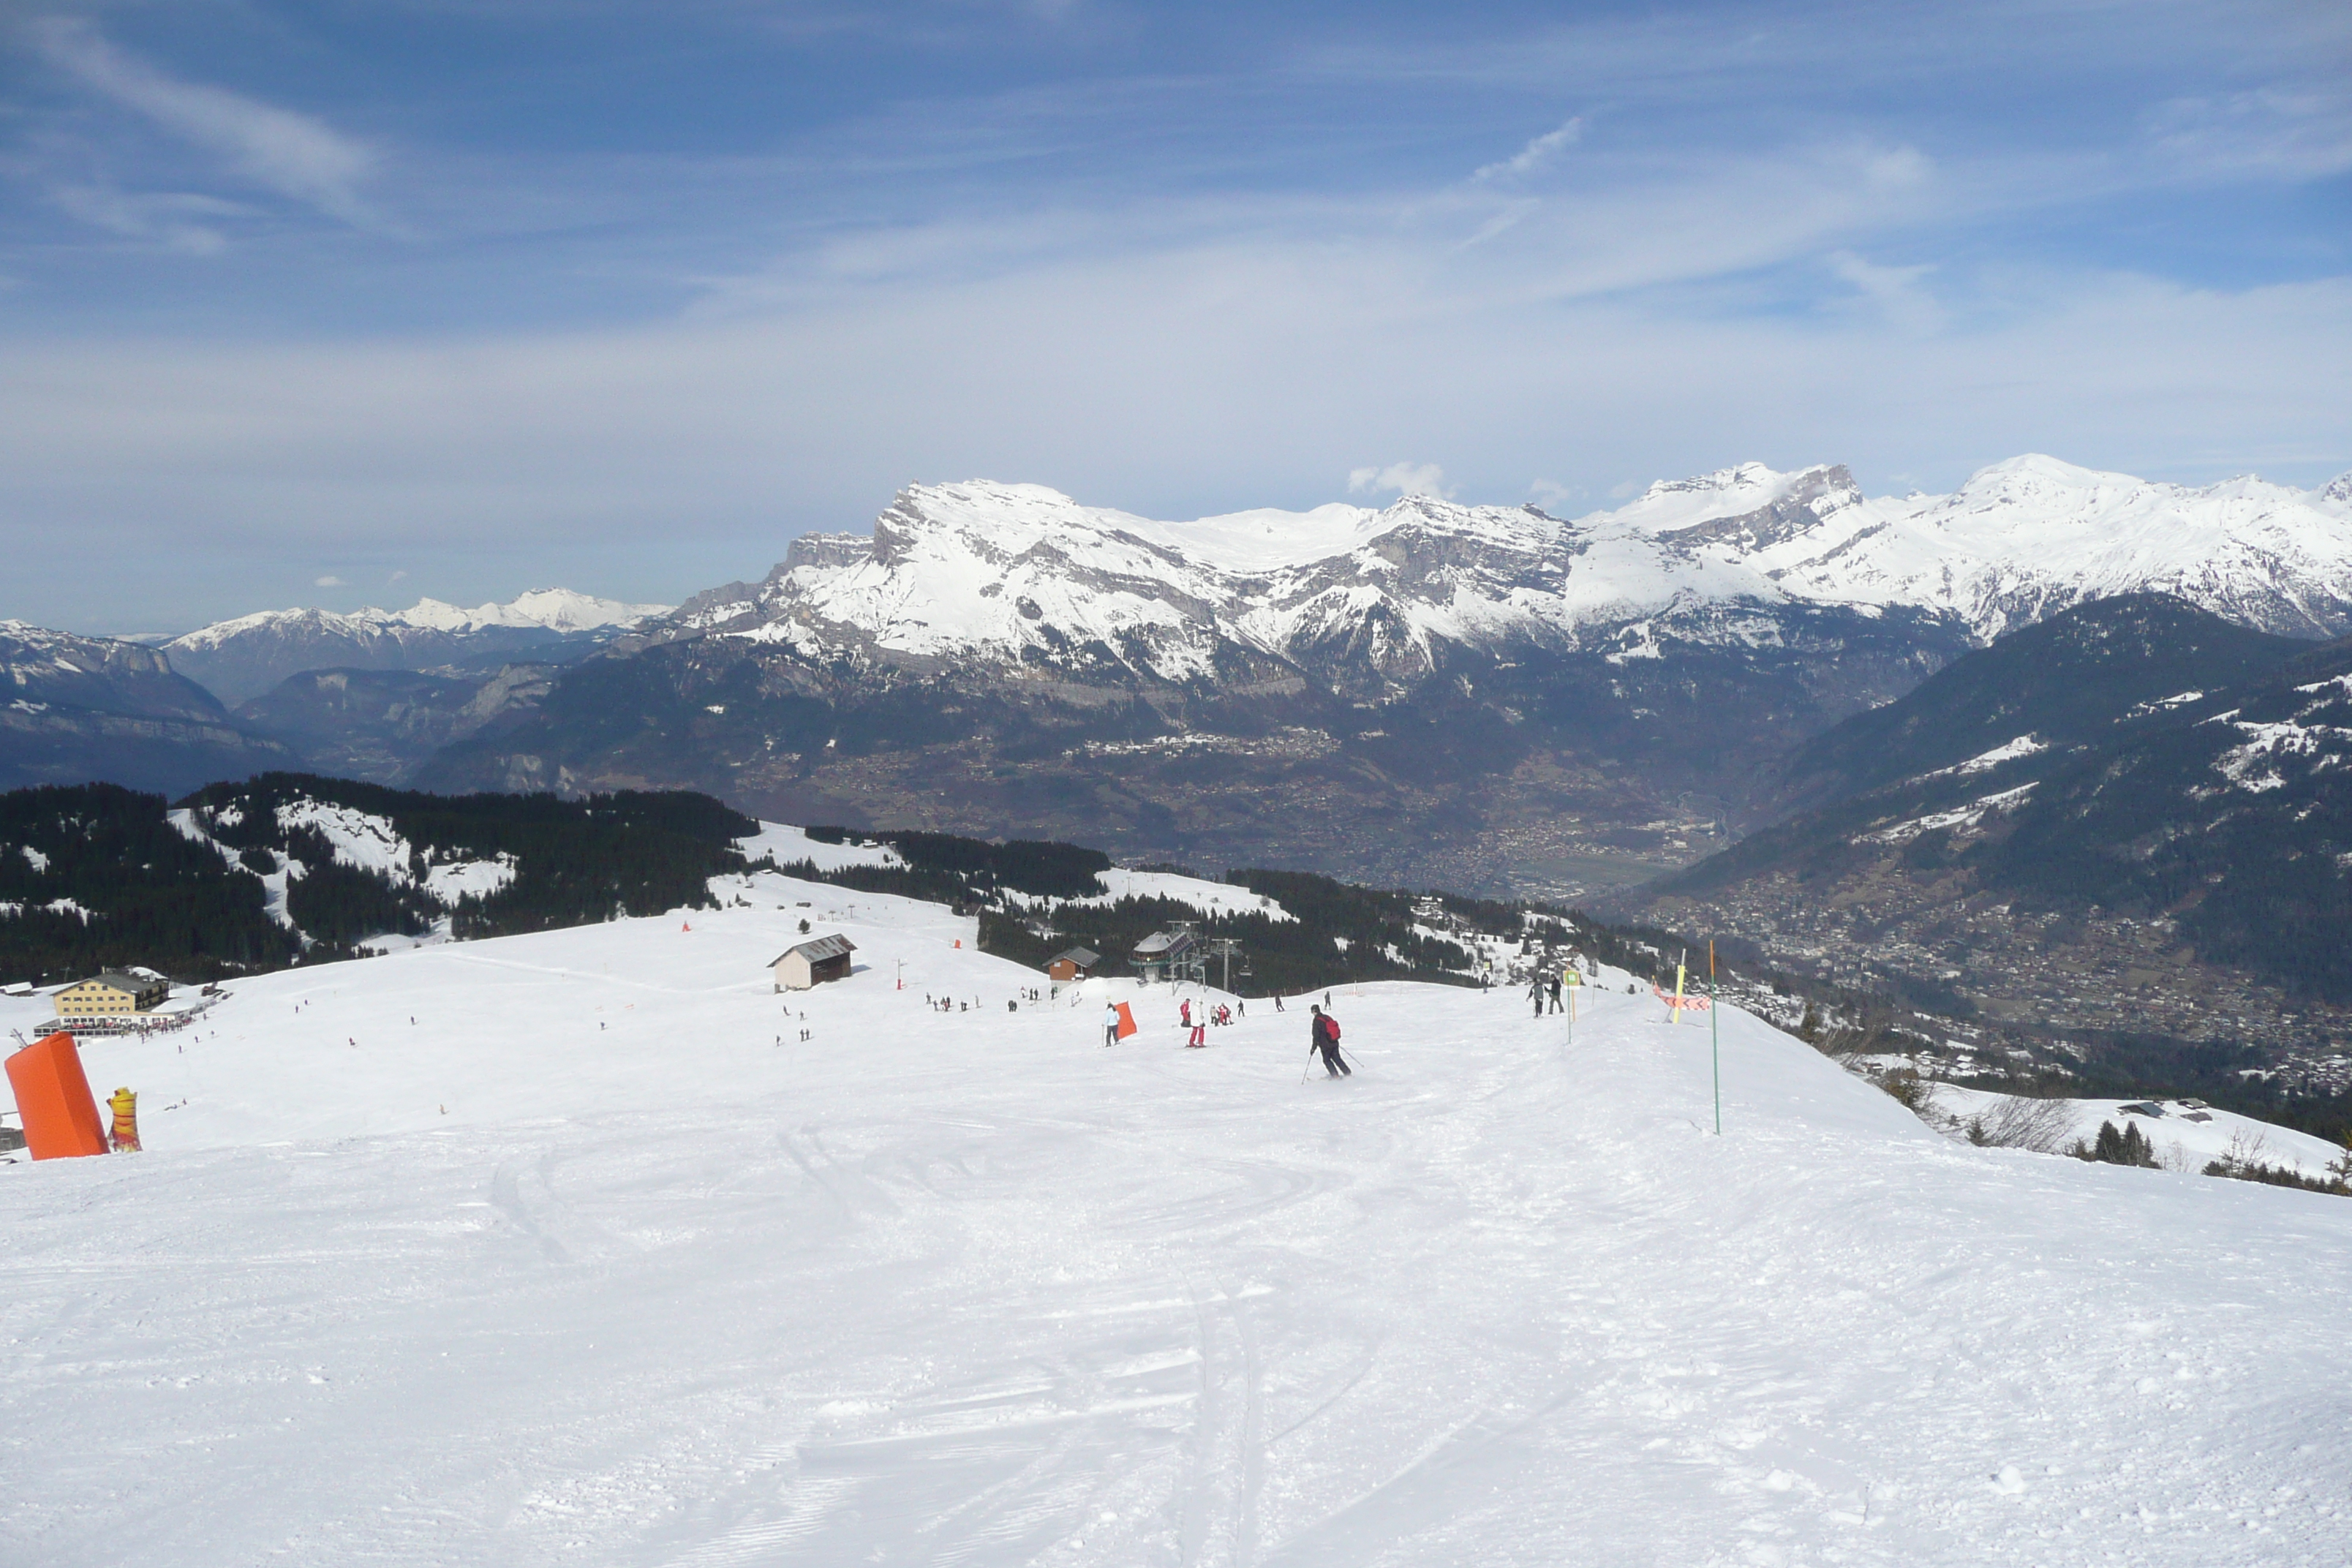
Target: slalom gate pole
x=1715 y=1035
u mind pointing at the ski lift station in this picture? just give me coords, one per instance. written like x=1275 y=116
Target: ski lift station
x=1170 y=954
x=811 y=964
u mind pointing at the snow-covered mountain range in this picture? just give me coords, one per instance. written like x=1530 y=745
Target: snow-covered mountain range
x=1475 y=696
x=1023 y=575
x=245 y=657
x=550 y=609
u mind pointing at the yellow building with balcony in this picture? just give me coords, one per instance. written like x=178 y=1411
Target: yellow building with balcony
x=113 y=993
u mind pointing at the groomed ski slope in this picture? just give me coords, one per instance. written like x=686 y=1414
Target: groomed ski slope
x=968 y=1288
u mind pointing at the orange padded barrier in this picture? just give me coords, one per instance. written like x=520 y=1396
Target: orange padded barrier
x=1125 y=1021
x=54 y=1097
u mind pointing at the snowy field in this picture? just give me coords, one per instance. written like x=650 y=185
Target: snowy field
x=584 y=1266
x=2184 y=1138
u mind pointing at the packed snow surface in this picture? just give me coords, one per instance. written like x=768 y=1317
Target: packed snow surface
x=598 y=1261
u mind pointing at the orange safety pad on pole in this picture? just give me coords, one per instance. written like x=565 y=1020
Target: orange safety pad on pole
x=54 y=1097
x=1126 y=1025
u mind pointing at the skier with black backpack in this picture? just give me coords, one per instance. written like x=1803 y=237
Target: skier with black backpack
x=1326 y=1038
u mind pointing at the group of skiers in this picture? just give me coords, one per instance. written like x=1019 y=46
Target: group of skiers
x=1545 y=987
x=1323 y=1029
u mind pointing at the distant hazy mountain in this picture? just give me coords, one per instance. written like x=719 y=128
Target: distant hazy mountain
x=74 y=709
x=547 y=609
x=380 y=725
x=241 y=658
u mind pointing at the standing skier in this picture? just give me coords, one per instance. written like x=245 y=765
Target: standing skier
x=1324 y=1037
x=1184 y=1012
x=1554 y=988
x=1110 y=1023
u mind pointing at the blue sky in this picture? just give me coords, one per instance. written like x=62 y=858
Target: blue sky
x=462 y=298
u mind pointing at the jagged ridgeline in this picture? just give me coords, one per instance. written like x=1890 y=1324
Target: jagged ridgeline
x=289 y=868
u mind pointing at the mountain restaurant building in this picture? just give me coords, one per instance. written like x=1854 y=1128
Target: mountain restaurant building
x=1075 y=964
x=112 y=994
x=813 y=962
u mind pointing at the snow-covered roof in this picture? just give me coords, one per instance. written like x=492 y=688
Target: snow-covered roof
x=1161 y=943
x=817 y=949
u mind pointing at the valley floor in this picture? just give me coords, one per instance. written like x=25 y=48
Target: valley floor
x=585 y=1266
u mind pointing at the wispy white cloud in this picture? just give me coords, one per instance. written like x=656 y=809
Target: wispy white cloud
x=1195 y=290
x=1896 y=292
x=2292 y=133
x=685 y=455
x=1405 y=479
x=182 y=221
x=1504 y=221
x=1534 y=154
x=293 y=155
x=330 y=581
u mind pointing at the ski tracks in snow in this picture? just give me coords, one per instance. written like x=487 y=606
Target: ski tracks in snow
x=983 y=1294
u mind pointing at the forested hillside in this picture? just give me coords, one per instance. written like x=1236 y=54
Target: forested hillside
x=290 y=868
x=1035 y=899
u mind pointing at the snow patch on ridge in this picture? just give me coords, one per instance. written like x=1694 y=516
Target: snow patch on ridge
x=1211 y=898
x=791 y=845
x=1965 y=816
x=2254 y=766
x=1985 y=761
